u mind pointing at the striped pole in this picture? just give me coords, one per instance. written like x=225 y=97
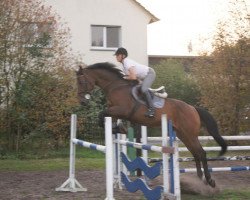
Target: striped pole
x=146 y=147
x=229 y=148
x=206 y=138
x=218 y=169
x=89 y=145
x=221 y=158
x=189 y=159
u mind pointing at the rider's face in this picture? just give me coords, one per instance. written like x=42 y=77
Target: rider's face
x=119 y=57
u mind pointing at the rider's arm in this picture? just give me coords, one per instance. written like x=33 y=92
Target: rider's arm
x=131 y=74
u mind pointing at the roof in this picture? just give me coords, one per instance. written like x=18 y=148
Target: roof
x=153 y=17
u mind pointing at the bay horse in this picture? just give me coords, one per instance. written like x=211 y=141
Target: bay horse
x=187 y=120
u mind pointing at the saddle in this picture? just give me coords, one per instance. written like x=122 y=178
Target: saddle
x=158 y=95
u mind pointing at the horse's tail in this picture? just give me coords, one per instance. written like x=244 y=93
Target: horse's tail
x=209 y=122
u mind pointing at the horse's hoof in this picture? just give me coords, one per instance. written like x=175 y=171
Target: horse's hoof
x=211 y=182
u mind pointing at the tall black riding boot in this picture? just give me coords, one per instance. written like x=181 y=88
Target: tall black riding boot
x=151 y=111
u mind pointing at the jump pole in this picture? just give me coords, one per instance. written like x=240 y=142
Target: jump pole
x=218 y=169
x=71 y=184
x=165 y=157
x=109 y=159
x=144 y=141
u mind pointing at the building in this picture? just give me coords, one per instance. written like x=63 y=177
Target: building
x=99 y=27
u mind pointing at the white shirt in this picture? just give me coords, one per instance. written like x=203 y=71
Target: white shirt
x=141 y=70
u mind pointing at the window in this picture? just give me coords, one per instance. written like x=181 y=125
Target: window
x=105 y=37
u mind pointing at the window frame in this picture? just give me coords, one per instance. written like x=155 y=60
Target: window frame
x=104 y=35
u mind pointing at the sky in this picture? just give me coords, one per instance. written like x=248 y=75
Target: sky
x=183 y=22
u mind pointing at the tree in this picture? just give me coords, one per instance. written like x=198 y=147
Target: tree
x=224 y=75
x=45 y=101
x=36 y=83
x=178 y=83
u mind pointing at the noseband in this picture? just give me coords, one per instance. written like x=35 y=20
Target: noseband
x=85 y=83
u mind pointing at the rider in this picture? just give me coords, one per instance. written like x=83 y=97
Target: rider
x=136 y=71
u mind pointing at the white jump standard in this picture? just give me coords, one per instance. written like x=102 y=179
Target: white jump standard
x=71 y=184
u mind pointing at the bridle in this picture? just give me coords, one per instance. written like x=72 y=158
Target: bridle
x=85 y=83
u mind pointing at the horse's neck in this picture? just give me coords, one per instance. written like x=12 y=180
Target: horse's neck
x=107 y=81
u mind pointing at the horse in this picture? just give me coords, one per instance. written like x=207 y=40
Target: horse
x=187 y=120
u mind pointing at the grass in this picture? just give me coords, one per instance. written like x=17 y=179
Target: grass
x=51 y=164
x=48 y=153
x=86 y=159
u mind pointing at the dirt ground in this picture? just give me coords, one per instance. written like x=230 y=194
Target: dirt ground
x=41 y=185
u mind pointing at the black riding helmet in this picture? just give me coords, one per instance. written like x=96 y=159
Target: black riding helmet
x=122 y=51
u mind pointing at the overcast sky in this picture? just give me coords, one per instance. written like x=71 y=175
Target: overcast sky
x=182 y=22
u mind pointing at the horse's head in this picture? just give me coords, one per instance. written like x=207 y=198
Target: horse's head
x=85 y=85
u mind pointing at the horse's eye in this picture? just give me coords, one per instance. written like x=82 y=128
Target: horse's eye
x=87 y=96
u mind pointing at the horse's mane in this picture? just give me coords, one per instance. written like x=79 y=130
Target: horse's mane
x=108 y=67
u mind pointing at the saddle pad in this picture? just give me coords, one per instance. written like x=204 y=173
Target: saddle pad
x=157 y=101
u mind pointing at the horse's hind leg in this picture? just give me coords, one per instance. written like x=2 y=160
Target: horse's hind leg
x=207 y=174
x=197 y=159
x=200 y=156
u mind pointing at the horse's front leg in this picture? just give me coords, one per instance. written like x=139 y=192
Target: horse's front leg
x=114 y=111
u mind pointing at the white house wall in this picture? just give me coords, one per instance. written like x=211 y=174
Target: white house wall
x=81 y=14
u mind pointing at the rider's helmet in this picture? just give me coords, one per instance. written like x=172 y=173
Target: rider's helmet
x=122 y=51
